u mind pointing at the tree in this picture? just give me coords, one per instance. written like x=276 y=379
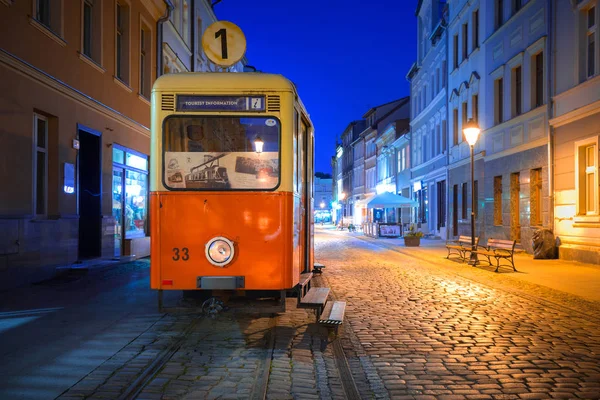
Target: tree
x=323 y=175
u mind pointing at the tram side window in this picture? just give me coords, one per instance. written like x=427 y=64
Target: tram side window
x=221 y=153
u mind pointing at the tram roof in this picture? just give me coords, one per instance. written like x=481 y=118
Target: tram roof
x=186 y=81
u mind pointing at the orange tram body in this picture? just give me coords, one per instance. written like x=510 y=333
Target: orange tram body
x=231 y=183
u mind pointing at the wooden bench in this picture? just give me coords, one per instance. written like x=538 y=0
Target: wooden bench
x=460 y=247
x=499 y=249
x=315 y=298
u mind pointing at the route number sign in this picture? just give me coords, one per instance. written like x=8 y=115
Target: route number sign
x=224 y=43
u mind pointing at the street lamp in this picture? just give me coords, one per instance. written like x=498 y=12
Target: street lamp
x=258 y=143
x=471 y=131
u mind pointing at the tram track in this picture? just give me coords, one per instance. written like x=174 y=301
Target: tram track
x=268 y=336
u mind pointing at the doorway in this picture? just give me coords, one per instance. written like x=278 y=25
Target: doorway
x=90 y=194
x=117 y=207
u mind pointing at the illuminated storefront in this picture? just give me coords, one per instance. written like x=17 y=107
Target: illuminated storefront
x=129 y=197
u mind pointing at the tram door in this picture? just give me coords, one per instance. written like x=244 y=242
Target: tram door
x=304 y=192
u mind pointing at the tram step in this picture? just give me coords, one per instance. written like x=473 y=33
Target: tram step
x=304 y=284
x=315 y=298
x=317 y=267
x=333 y=313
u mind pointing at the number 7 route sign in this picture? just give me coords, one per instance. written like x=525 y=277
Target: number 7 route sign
x=224 y=43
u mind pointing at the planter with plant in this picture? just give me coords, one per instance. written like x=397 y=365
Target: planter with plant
x=412 y=238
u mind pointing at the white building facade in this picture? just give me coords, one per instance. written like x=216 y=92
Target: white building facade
x=428 y=78
x=466 y=95
x=515 y=121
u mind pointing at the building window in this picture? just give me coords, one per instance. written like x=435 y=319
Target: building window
x=441 y=204
x=475 y=28
x=92 y=30
x=464 y=118
x=437 y=80
x=444 y=136
x=437 y=143
x=538 y=80
x=587 y=177
x=40 y=165
x=517 y=4
x=122 y=45
x=455 y=51
x=499 y=13
x=498 y=200
x=465 y=41
x=130 y=191
x=591 y=41
x=499 y=100
x=517 y=91
x=444 y=73
x=145 y=61
x=515 y=215
x=535 y=197
x=455 y=126
x=475 y=108
x=464 y=200
x=49 y=14
x=455 y=210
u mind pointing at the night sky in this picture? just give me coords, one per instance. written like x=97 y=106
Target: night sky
x=344 y=56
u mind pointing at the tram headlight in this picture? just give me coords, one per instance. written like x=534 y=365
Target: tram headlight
x=219 y=251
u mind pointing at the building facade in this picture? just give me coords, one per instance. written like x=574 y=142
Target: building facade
x=466 y=95
x=323 y=197
x=514 y=121
x=182 y=38
x=428 y=78
x=75 y=139
x=575 y=128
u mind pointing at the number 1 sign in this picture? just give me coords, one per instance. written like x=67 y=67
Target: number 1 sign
x=224 y=43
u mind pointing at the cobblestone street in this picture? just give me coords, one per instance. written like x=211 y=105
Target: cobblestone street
x=426 y=332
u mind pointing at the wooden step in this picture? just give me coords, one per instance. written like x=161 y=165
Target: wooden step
x=333 y=313
x=305 y=279
x=315 y=298
x=317 y=267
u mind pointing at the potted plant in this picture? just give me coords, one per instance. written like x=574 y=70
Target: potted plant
x=412 y=238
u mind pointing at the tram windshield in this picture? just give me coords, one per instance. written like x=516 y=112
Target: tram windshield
x=221 y=153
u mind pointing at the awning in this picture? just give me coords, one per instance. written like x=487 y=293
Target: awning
x=390 y=200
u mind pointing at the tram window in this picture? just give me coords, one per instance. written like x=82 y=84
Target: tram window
x=221 y=153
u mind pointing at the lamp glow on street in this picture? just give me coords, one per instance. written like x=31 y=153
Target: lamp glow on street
x=258 y=144
x=471 y=131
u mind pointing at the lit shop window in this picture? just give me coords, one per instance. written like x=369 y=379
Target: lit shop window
x=130 y=191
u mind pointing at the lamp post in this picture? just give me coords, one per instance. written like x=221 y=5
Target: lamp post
x=471 y=131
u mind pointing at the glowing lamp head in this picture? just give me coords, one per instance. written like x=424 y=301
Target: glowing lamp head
x=342 y=196
x=258 y=144
x=471 y=131
x=322 y=205
x=219 y=251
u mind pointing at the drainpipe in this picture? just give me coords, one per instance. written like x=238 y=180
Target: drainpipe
x=159 y=36
x=551 y=90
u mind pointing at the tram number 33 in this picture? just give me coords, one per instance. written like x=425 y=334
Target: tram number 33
x=223 y=34
x=181 y=254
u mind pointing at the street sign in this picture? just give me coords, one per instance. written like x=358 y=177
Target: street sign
x=224 y=43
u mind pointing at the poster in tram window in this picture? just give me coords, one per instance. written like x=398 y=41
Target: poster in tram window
x=221 y=171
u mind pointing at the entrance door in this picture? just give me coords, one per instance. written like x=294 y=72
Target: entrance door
x=90 y=195
x=117 y=208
